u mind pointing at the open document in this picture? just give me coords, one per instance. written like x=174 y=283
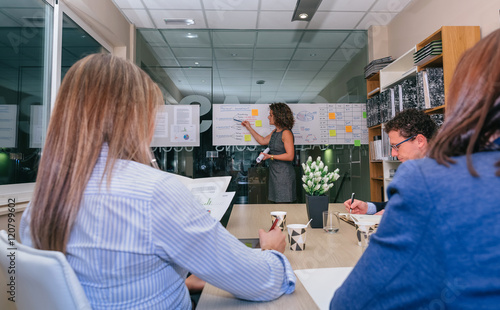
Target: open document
x=210 y=192
x=321 y=283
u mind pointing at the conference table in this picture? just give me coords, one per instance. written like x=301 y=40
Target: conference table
x=323 y=250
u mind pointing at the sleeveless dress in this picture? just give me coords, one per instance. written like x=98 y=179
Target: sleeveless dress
x=282 y=184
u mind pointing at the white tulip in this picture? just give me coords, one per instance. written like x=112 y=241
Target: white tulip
x=321 y=165
x=325 y=169
x=318 y=186
x=310 y=183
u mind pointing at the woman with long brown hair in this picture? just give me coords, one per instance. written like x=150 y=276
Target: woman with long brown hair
x=438 y=245
x=130 y=231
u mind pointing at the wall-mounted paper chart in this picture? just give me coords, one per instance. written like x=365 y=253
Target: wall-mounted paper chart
x=177 y=125
x=315 y=124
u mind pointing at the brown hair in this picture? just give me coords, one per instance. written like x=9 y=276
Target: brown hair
x=474 y=96
x=283 y=116
x=103 y=99
x=411 y=122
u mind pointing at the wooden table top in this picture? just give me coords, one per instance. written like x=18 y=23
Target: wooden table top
x=323 y=250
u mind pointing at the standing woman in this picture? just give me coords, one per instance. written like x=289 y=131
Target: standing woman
x=282 y=153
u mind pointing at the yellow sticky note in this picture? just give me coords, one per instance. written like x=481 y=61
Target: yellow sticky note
x=258 y=123
x=255 y=112
x=348 y=128
x=333 y=133
x=331 y=115
x=248 y=137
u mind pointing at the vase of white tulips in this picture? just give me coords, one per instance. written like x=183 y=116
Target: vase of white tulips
x=317 y=181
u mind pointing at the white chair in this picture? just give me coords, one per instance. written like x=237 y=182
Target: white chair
x=43 y=279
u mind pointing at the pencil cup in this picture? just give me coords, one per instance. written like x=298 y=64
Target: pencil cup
x=297 y=237
x=281 y=216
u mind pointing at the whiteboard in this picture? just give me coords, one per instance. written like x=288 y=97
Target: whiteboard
x=315 y=124
x=177 y=125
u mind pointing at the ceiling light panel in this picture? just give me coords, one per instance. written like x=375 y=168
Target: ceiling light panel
x=231 y=19
x=158 y=17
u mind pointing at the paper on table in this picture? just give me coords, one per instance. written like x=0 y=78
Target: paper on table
x=218 y=205
x=321 y=283
x=210 y=192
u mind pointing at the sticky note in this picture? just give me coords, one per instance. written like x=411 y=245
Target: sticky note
x=357 y=142
x=258 y=123
x=255 y=112
x=348 y=128
x=333 y=133
x=331 y=115
x=248 y=137
x=364 y=114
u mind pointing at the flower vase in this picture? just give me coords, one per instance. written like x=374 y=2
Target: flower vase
x=315 y=206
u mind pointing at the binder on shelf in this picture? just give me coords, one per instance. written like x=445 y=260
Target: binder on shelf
x=423 y=100
x=435 y=80
x=409 y=93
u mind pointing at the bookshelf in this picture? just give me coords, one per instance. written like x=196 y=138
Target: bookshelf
x=455 y=41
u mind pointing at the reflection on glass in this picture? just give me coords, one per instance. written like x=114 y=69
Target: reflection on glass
x=24 y=65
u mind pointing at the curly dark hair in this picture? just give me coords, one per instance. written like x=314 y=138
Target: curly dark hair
x=412 y=122
x=283 y=116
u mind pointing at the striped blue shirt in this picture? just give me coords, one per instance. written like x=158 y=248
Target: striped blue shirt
x=134 y=242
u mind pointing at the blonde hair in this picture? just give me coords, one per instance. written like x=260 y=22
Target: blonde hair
x=103 y=99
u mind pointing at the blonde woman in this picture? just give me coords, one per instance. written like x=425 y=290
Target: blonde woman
x=132 y=232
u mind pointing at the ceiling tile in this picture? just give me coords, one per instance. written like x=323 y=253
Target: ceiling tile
x=357 y=39
x=313 y=54
x=273 y=53
x=278 y=5
x=234 y=64
x=173 y=5
x=163 y=53
x=233 y=53
x=139 y=18
x=184 y=38
x=390 y=5
x=300 y=75
x=268 y=75
x=233 y=73
x=335 y=20
x=234 y=38
x=159 y=15
x=193 y=53
x=279 y=20
x=344 y=54
x=241 y=81
x=270 y=65
x=153 y=37
x=231 y=19
x=281 y=39
x=375 y=19
x=230 y=5
x=306 y=65
x=346 y=5
x=129 y=4
x=323 y=39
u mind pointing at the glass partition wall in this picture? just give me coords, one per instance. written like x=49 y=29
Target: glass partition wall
x=206 y=67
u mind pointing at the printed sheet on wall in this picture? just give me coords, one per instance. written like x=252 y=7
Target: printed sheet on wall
x=315 y=124
x=177 y=125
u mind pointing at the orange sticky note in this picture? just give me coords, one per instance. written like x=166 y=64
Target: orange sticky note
x=331 y=115
x=333 y=133
x=255 y=112
x=258 y=123
x=348 y=128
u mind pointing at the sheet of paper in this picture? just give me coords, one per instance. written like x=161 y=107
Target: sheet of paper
x=321 y=283
x=218 y=205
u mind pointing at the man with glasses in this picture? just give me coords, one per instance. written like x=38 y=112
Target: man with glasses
x=409 y=134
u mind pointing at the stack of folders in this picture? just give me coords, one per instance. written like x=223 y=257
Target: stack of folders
x=376 y=65
x=430 y=88
x=428 y=52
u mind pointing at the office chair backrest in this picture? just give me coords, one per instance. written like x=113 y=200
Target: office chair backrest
x=43 y=279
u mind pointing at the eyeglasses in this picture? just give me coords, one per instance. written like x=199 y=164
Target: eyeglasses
x=396 y=146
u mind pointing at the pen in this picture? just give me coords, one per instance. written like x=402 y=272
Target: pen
x=352 y=200
x=274 y=224
x=234 y=119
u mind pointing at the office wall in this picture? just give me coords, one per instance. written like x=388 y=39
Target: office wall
x=423 y=17
x=105 y=19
